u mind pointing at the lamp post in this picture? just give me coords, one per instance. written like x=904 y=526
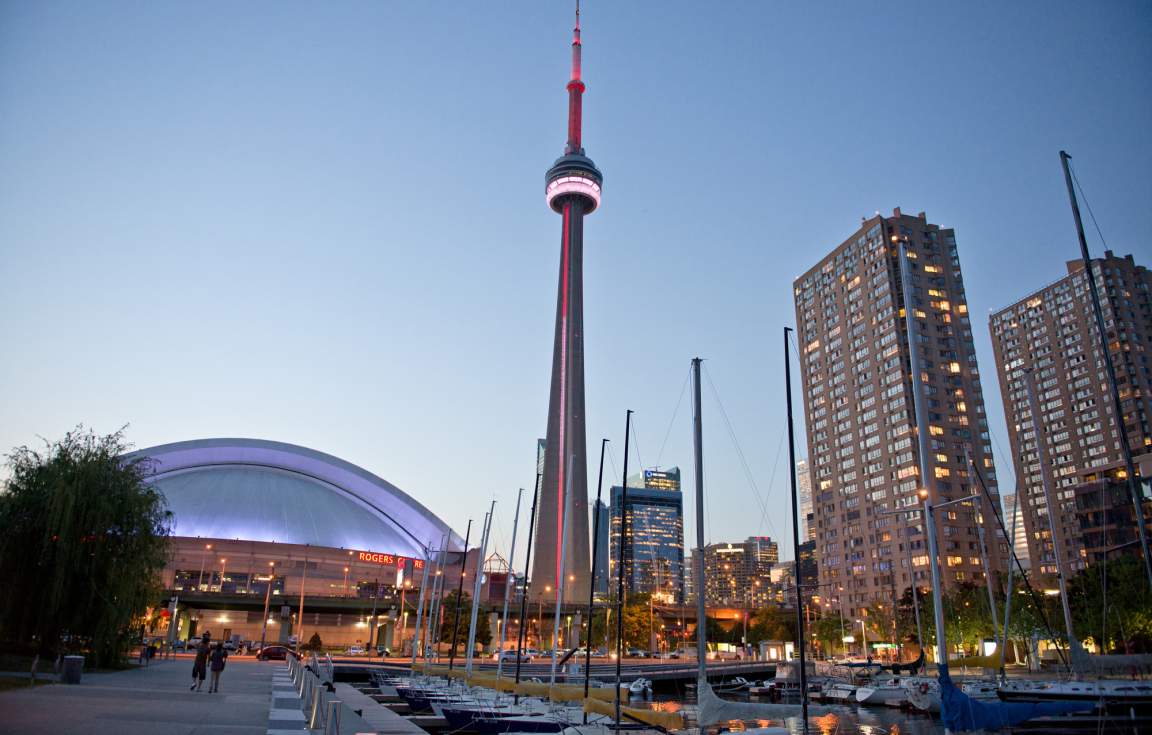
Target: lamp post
x=404 y=614
x=911 y=576
x=203 y=558
x=223 y=562
x=267 y=599
x=345 y=581
x=540 y=617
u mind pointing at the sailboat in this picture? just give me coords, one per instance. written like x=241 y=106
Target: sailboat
x=711 y=709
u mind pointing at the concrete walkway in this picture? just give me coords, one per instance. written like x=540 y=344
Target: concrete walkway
x=144 y=701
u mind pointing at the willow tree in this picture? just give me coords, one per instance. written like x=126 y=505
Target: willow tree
x=82 y=545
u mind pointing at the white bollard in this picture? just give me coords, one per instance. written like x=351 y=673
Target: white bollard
x=315 y=720
x=332 y=725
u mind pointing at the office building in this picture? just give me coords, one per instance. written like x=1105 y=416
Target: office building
x=739 y=574
x=1048 y=342
x=654 y=548
x=859 y=400
x=1013 y=519
x=603 y=525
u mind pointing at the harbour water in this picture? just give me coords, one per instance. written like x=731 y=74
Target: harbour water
x=846 y=720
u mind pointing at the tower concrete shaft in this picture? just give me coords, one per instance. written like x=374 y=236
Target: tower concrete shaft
x=572 y=189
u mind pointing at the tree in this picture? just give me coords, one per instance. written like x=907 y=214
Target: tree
x=1110 y=605
x=84 y=541
x=772 y=623
x=483 y=629
x=314 y=643
x=829 y=631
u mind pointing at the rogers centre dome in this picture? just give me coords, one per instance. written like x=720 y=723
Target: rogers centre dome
x=274 y=542
x=256 y=490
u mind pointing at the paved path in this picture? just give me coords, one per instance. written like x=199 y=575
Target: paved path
x=144 y=701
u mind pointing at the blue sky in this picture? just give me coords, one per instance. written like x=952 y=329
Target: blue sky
x=325 y=224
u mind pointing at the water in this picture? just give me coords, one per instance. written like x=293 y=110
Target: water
x=848 y=720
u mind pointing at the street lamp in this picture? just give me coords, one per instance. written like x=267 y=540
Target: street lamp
x=345 y=581
x=267 y=599
x=203 y=558
x=223 y=562
x=540 y=617
x=404 y=614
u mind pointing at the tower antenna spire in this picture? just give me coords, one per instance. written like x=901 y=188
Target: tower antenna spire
x=575 y=92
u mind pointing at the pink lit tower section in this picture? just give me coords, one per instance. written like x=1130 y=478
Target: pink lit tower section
x=572 y=189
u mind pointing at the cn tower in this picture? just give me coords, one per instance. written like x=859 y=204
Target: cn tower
x=572 y=190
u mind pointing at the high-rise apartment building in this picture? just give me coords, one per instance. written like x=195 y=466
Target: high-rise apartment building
x=804 y=490
x=654 y=550
x=860 y=405
x=740 y=574
x=1047 y=341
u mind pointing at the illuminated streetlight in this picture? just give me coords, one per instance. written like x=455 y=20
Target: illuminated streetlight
x=267 y=599
x=203 y=558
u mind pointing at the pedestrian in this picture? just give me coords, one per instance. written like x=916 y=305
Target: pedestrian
x=216 y=661
x=199 y=667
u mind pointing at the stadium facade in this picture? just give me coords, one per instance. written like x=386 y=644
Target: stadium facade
x=322 y=545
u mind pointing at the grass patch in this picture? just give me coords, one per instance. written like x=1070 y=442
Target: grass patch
x=8 y=683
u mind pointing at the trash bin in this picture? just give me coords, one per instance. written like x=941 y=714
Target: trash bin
x=73 y=666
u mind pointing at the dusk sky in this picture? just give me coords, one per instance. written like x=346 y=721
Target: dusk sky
x=325 y=223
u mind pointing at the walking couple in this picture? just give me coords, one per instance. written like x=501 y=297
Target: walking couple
x=208 y=655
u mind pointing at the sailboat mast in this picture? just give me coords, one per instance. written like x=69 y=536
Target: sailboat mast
x=560 y=581
x=1011 y=568
x=592 y=586
x=430 y=643
x=416 y=639
x=698 y=454
x=479 y=578
x=984 y=558
x=509 y=583
x=524 y=595
x=1134 y=488
x=796 y=530
x=1053 y=511
x=459 y=592
x=937 y=594
x=620 y=565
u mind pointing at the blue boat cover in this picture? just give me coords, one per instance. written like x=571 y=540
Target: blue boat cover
x=961 y=713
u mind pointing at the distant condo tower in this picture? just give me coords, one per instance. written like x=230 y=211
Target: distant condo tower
x=572 y=189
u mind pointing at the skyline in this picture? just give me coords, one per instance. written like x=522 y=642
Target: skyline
x=135 y=166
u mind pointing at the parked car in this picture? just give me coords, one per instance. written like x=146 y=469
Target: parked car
x=636 y=653
x=229 y=645
x=275 y=653
x=355 y=651
x=384 y=651
x=510 y=656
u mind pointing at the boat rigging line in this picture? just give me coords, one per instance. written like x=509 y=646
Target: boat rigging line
x=675 y=413
x=740 y=454
x=1134 y=489
x=1036 y=601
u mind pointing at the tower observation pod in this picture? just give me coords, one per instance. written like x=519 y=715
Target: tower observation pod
x=572 y=189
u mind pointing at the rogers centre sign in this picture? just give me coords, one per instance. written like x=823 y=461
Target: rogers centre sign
x=388 y=560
